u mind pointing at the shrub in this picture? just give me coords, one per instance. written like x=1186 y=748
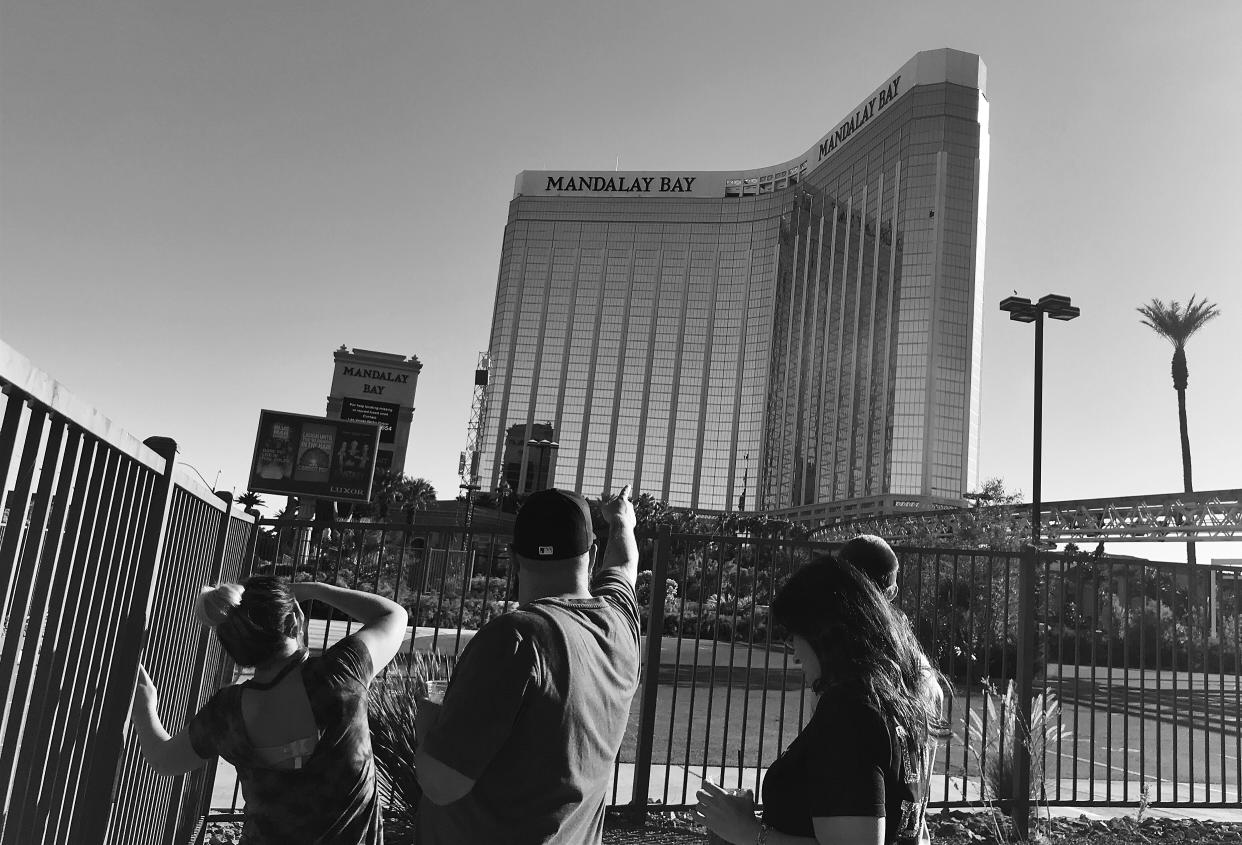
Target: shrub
x=391 y=712
x=992 y=740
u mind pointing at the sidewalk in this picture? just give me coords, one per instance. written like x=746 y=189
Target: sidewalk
x=683 y=783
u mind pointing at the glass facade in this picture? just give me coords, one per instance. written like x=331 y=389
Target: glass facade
x=771 y=340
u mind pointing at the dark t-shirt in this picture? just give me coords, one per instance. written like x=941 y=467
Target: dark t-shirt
x=847 y=761
x=331 y=799
x=535 y=713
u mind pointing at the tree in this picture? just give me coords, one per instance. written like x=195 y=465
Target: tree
x=990 y=522
x=396 y=493
x=250 y=499
x=485 y=499
x=1176 y=325
x=650 y=511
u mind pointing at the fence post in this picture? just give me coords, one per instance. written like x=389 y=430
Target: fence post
x=97 y=795
x=651 y=673
x=252 y=544
x=1025 y=689
x=175 y=830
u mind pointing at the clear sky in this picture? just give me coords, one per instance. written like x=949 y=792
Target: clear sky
x=200 y=201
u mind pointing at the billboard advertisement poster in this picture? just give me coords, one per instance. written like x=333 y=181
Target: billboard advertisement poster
x=368 y=410
x=297 y=455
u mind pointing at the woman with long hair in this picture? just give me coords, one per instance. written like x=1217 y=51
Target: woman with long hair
x=297 y=732
x=853 y=774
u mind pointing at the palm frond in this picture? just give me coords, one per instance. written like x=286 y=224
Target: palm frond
x=992 y=739
x=392 y=710
x=1174 y=322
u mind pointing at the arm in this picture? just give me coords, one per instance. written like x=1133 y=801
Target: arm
x=457 y=741
x=622 y=551
x=732 y=818
x=832 y=830
x=383 y=621
x=168 y=755
x=846 y=830
x=442 y=784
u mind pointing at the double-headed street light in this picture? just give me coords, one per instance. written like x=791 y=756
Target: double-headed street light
x=1023 y=310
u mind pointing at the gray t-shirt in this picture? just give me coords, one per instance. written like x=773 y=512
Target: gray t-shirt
x=535 y=713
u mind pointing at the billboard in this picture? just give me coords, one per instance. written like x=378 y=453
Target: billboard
x=368 y=410
x=298 y=455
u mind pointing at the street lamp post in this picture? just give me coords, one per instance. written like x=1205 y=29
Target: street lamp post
x=1022 y=310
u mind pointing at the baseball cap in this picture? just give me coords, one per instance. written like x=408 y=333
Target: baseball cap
x=874 y=557
x=553 y=525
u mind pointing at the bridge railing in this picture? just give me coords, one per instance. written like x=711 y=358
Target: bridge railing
x=105 y=541
x=1164 y=517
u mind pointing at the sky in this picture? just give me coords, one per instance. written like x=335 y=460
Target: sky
x=199 y=202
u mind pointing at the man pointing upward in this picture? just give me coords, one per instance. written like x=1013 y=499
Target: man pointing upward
x=522 y=749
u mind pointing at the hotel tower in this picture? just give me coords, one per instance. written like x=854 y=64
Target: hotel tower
x=801 y=338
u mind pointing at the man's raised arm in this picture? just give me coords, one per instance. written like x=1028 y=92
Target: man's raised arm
x=622 y=551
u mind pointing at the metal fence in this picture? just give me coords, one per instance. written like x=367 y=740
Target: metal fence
x=1137 y=665
x=1138 y=680
x=104 y=542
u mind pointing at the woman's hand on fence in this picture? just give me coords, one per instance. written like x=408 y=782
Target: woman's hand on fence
x=730 y=814
x=146 y=696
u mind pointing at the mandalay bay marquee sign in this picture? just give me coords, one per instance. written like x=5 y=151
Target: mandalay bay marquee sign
x=924 y=69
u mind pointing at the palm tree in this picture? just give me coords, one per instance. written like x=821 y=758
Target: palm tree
x=397 y=492
x=1176 y=324
x=250 y=499
x=417 y=494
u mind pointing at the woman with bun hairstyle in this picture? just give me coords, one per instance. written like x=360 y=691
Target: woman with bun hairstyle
x=297 y=732
x=852 y=775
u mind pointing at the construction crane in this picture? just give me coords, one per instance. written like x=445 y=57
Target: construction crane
x=468 y=465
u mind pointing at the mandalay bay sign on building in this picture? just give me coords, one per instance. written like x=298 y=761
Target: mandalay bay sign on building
x=802 y=337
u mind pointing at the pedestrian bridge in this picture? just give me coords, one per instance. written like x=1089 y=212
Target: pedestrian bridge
x=1158 y=517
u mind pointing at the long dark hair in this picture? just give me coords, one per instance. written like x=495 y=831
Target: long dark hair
x=864 y=646
x=253 y=619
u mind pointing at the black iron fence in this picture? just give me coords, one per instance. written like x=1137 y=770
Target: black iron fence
x=1137 y=684
x=104 y=541
x=1138 y=681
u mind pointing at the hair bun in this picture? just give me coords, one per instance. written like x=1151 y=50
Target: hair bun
x=214 y=604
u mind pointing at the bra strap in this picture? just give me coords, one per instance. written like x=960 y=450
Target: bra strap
x=297 y=660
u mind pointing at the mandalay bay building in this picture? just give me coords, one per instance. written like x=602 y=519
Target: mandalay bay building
x=802 y=337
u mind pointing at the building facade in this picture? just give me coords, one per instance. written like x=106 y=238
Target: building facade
x=801 y=338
